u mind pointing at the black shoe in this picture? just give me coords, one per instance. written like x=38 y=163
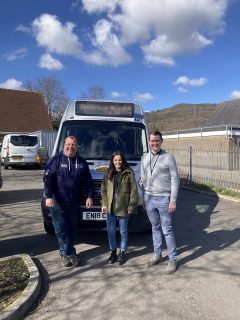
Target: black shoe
x=66 y=261
x=75 y=260
x=113 y=257
x=121 y=258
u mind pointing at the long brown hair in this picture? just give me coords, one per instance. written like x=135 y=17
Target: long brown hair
x=111 y=169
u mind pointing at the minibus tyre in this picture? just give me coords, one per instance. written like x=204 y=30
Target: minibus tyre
x=48 y=229
x=5 y=165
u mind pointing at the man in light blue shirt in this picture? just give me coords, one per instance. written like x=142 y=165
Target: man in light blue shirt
x=160 y=179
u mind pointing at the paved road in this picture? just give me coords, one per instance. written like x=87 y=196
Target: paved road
x=206 y=285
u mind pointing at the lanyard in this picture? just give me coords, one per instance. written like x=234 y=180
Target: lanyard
x=152 y=168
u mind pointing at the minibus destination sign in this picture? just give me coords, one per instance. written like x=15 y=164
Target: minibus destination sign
x=105 y=109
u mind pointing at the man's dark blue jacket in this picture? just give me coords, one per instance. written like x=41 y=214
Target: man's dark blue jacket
x=64 y=178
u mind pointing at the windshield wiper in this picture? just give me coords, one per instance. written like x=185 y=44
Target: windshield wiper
x=98 y=158
x=133 y=158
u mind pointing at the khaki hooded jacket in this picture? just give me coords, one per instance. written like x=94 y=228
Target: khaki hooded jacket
x=127 y=194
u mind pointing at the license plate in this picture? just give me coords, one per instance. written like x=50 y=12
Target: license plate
x=94 y=216
x=16 y=158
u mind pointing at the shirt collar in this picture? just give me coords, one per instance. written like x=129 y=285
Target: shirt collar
x=158 y=153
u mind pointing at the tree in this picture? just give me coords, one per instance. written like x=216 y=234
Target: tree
x=54 y=95
x=95 y=92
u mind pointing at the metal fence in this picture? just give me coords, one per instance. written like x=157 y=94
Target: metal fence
x=47 y=139
x=216 y=167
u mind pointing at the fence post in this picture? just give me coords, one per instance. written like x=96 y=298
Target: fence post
x=190 y=163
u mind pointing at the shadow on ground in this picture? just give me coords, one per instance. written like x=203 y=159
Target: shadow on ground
x=190 y=222
x=14 y=196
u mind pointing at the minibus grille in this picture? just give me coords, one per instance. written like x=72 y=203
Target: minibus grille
x=96 y=194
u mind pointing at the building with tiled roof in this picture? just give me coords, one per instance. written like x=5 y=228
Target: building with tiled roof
x=220 y=132
x=22 y=111
x=210 y=154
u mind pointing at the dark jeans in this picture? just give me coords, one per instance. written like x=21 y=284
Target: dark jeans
x=64 y=217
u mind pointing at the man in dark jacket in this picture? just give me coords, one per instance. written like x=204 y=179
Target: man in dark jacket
x=64 y=177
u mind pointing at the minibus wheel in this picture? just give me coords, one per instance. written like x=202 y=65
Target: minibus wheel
x=5 y=164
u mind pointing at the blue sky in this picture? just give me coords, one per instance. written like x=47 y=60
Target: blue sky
x=155 y=52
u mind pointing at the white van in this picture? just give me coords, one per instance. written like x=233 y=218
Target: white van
x=20 y=150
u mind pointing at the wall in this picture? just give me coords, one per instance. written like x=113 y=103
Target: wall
x=201 y=143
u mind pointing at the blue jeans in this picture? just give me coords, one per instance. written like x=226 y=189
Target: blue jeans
x=111 y=228
x=64 y=218
x=161 y=221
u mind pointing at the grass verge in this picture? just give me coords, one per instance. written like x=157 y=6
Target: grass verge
x=211 y=189
x=14 y=277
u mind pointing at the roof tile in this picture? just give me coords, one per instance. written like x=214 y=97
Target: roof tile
x=23 y=111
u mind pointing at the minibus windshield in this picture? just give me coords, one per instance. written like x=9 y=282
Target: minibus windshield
x=99 y=139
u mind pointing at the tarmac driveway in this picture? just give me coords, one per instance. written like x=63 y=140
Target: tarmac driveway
x=206 y=285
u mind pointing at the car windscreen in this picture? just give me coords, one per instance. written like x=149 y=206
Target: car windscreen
x=23 y=140
x=99 y=139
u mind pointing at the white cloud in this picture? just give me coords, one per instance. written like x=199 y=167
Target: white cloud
x=151 y=51
x=116 y=94
x=161 y=30
x=76 y=4
x=108 y=45
x=11 y=84
x=23 y=28
x=166 y=29
x=235 y=94
x=48 y=62
x=169 y=28
x=182 y=90
x=17 y=54
x=56 y=37
x=97 y=6
x=185 y=81
x=94 y=57
x=143 y=97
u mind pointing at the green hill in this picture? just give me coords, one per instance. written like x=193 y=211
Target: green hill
x=180 y=116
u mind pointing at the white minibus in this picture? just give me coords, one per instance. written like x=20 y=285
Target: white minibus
x=102 y=127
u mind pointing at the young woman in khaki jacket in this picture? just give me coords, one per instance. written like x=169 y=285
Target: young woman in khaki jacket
x=119 y=200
